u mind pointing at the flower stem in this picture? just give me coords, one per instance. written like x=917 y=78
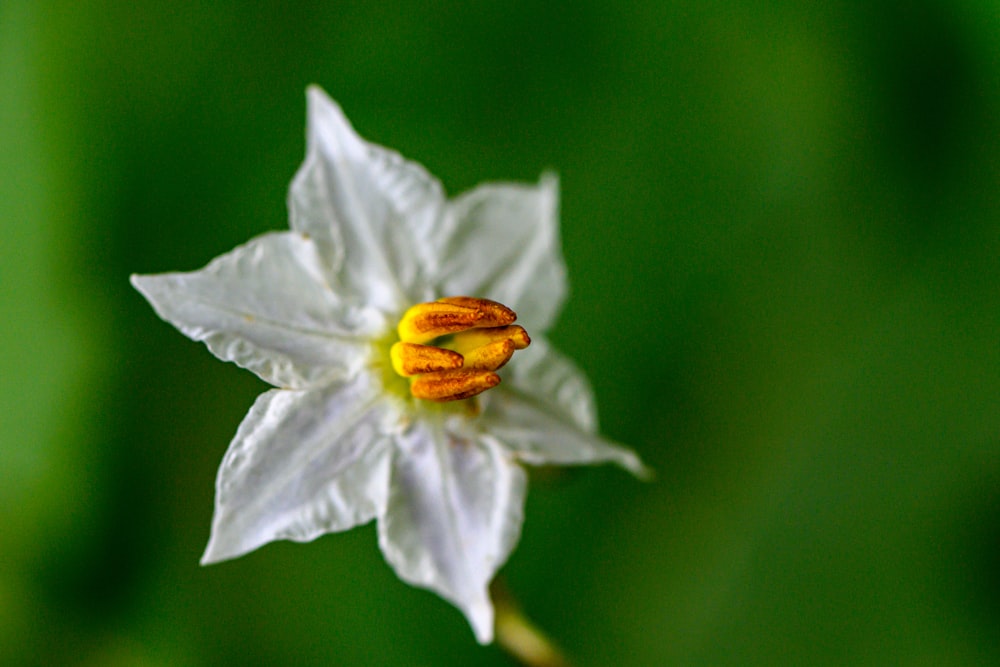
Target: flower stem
x=519 y=636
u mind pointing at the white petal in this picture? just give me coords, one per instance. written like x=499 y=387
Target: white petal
x=543 y=371
x=501 y=242
x=544 y=413
x=455 y=510
x=302 y=464
x=370 y=209
x=267 y=307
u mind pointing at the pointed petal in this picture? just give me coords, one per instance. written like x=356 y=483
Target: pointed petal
x=455 y=510
x=302 y=464
x=501 y=242
x=267 y=307
x=369 y=209
x=544 y=413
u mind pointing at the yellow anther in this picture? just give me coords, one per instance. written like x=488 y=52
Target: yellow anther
x=491 y=356
x=426 y=321
x=466 y=341
x=412 y=359
x=493 y=314
x=453 y=385
x=481 y=339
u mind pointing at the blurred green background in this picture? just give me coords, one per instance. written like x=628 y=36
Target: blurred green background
x=782 y=227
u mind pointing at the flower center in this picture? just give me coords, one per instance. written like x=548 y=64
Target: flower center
x=471 y=337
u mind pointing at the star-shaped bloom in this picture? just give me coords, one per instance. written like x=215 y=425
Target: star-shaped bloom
x=388 y=404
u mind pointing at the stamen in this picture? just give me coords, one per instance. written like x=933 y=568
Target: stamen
x=454 y=385
x=479 y=337
x=494 y=314
x=411 y=359
x=426 y=321
x=467 y=341
x=490 y=357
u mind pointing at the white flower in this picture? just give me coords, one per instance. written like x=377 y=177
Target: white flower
x=344 y=438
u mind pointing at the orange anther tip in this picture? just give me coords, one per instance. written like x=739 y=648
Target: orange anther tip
x=519 y=337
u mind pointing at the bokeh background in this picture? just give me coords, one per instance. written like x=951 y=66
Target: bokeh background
x=782 y=227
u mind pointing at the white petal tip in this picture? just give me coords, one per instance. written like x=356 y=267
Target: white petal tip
x=316 y=94
x=210 y=557
x=137 y=280
x=634 y=465
x=481 y=619
x=151 y=287
x=643 y=472
x=549 y=181
x=323 y=108
x=214 y=553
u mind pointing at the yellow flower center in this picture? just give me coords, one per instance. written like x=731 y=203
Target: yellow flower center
x=471 y=337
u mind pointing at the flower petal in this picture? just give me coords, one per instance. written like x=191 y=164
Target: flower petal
x=302 y=464
x=501 y=242
x=369 y=209
x=544 y=413
x=267 y=307
x=455 y=510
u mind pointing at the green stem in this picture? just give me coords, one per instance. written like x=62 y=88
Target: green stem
x=519 y=636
